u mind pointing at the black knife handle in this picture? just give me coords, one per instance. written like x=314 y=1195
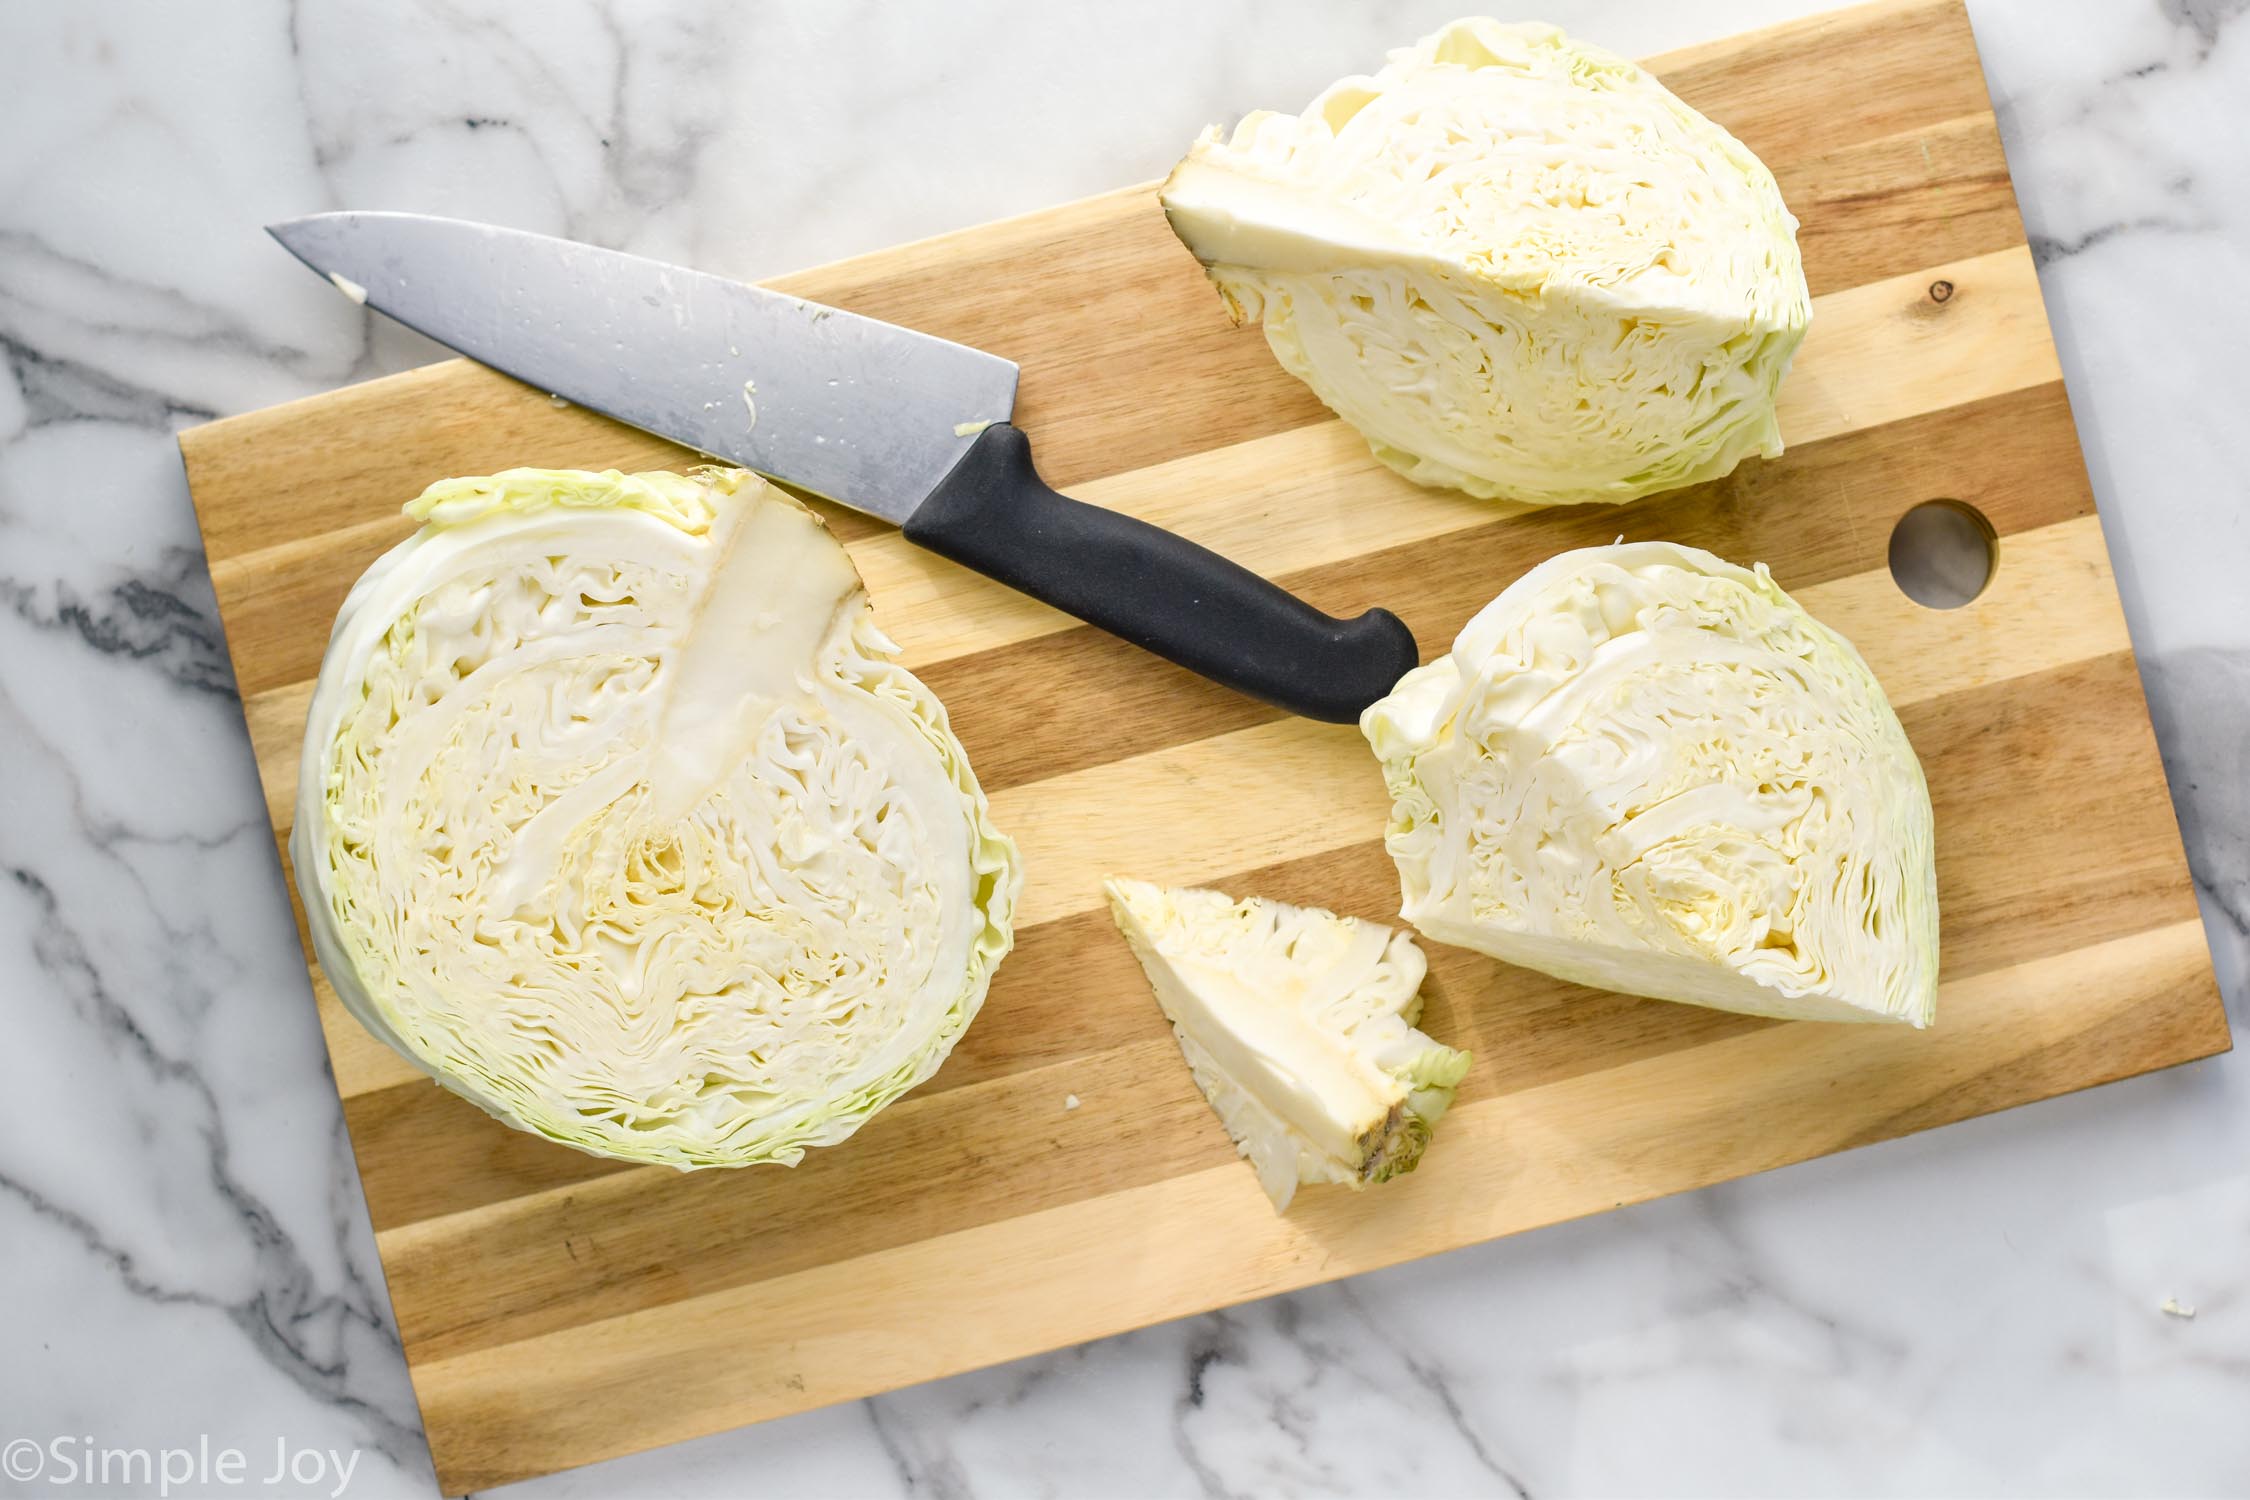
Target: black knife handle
x=1162 y=592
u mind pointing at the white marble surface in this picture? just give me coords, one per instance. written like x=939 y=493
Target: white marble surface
x=183 y=1250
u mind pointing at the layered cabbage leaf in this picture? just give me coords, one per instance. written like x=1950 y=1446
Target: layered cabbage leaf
x=617 y=816
x=1517 y=264
x=1645 y=769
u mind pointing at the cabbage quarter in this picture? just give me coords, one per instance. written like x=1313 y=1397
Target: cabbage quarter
x=616 y=816
x=1516 y=264
x=1644 y=769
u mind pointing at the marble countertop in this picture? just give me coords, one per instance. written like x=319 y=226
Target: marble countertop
x=184 y=1254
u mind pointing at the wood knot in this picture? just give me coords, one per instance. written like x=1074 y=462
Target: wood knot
x=1941 y=291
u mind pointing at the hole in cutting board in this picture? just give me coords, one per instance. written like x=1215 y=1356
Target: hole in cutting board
x=1943 y=553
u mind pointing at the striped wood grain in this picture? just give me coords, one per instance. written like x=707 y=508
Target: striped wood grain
x=557 y=1308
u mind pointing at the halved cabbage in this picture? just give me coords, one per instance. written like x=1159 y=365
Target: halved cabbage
x=1645 y=769
x=1298 y=1025
x=616 y=817
x=1516 y=263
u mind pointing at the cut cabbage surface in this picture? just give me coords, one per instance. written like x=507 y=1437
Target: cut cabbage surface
x=616 y=816
x=1298 y=1025
x=1515 y=263
x=1645 y=769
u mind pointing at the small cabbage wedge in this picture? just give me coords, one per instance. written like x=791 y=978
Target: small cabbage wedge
x=616 y=817
x=1298 y=1025
x=1645 y=769
x=1515 y=263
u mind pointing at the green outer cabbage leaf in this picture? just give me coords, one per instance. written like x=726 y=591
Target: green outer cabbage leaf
x=1517 y=264
x=616 y=817
x=1645 y=769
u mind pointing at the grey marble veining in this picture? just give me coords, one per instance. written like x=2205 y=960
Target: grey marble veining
x=183 y=1249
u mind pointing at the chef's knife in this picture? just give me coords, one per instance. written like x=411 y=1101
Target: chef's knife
x=895 y=423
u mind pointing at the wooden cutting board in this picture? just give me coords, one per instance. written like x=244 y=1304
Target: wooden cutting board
x=558 y=1309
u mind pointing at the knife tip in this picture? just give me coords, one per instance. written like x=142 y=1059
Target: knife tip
x=288 y=234
x=303 y=238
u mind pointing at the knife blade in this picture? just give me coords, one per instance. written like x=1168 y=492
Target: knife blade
x=889 y=421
